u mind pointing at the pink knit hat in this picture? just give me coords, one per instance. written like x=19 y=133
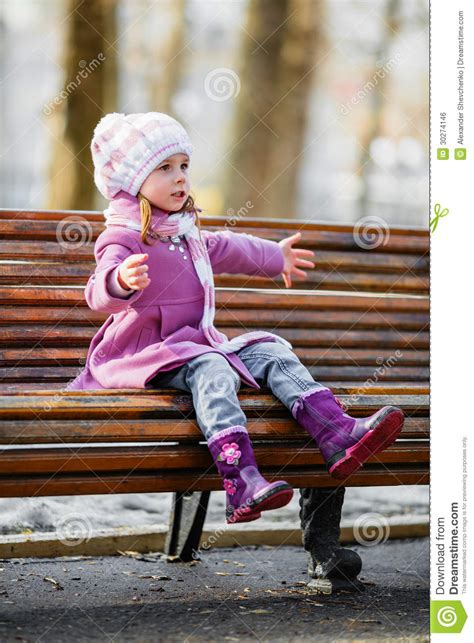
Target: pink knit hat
x=126 y=148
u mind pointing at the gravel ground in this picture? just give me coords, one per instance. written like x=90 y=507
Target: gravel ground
x=242 y=594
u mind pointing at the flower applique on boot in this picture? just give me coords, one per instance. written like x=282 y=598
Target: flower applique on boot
x=345 y=442
x=247 y=491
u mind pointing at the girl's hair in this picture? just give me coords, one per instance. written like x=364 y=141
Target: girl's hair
x=145 y=209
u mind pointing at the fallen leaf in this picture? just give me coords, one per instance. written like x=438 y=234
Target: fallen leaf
x=172 y=559
x=149 y=558
x=132 y=554
x=56 y=584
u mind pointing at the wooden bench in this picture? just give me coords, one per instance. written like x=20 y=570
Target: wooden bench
x=359 y=323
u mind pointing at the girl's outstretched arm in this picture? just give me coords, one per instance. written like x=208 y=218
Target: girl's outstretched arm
x=241 y=253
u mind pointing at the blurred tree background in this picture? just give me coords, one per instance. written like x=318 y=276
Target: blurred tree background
x=310 y=109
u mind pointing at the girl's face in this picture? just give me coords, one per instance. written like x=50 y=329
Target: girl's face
x=167 y=187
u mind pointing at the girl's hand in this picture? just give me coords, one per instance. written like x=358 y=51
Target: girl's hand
x=132 y=274
x=293 y=258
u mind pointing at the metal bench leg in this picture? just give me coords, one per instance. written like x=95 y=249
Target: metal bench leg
x=186 y=523
x=330 y=566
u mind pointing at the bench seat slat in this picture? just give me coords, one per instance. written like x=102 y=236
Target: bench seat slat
x=320 y=373
x=157 y=404
x=193 y=480
x=125 y=459
x=337 y=386
x=184 y=430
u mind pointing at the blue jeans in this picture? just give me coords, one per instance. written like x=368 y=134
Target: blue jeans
x=214 y=383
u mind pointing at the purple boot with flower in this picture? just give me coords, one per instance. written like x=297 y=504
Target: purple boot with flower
x=247 y=491
x=345 y=442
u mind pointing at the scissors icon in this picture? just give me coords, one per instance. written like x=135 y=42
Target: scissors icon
x=438 y=214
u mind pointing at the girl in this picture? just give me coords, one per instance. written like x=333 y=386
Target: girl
x=154 y=275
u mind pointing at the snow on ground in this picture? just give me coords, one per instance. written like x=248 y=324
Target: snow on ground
x=140 y=510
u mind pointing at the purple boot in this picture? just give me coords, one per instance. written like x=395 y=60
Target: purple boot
x=345 y=442
x=248 y=493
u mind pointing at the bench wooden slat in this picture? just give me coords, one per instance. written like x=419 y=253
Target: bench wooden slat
x=249 y=222
x=371 y=319
x=279 y=300
x=314 y=235
x=162 y=404
x=330 y=356
x=33 y=335
x=24 y=315
x=337 y=386
x=48 y=274
x=7 y=214
x=319 y=373
x=57 y=485
x=110 y=430
x=53 y=252
x=316 y=279
x=125 y=459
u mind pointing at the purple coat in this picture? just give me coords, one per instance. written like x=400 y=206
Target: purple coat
x=157 y=329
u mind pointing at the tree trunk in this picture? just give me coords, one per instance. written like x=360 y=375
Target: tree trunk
x=278 y=59
x=89 y=92
x=165 y=77
x=375 y=115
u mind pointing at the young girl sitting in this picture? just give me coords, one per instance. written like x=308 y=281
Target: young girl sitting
x=154 y=276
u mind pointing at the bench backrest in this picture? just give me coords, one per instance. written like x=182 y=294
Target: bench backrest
x=361 y=318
